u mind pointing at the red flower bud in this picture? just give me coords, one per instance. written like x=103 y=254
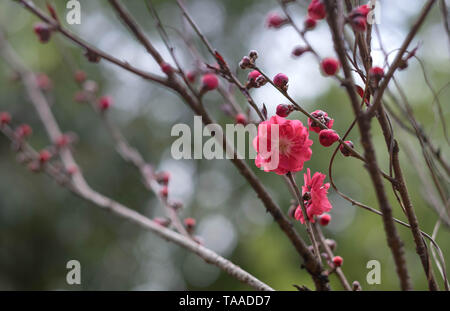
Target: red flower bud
x=166 y=68
x=104 y=103
x=323 y=117
x=24 y=131
x=62 y=141
x=328 y=137
x=163 y=178
x=245 y=62
x=164 y=192
x=330 y=66
x=310 y=23
x=338 y=261
x=376 y=73
x=299 y=50
x=210 y=82
x=284 y=110
x=253 y=75
x=5 y=118
x=189 y=223
x=80 y=76
x=241 y=119
x=273 y=20
x=44 y=156
x=344 y=150
x=325 y=219
x=316 y=9
x=43 y=31
x=281 y=81
x=43 y=82
x=359 y=23
x=191 y=76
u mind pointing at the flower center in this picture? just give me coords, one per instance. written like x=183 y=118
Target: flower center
x=285 y=146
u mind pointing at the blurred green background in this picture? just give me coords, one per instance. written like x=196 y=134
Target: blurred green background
x=42 y=226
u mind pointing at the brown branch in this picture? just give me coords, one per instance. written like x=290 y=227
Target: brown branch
x=396 y=245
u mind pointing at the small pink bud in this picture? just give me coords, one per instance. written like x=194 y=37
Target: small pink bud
x=310 y=23
x=328 y=137
x=79 y=76
x=163 y=178
x=189 y=223
x=274 y=20
x=24 y=131
x=62 y=141
x=210 y=82
x=316 y=9
x=43 y=82
x=323 y=117
x=164 y=192
x=330 y=66
x=166 y=68
x=253 y=75
x=376 y=73
x=299 y=51
x=104 y=103
x=191 y=76
x=5 y=118
x=359 y=23
x=241 y=119
x=43 y=31
x=281 y=81
x=325 y=219
x=44 y=156
x=284 y=110
x=245 y=62
x=80 y=97
x=338 y=261
x=344 y=150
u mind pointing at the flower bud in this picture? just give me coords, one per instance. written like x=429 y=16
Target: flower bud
x=104 y=103
x=338 y=261
x=316 y=9
x=321 y=116
x=79 y=76
x=24 y=131
x=273 y=20
x=330 y=66
x=284 y=110
x=328 y=137
x=210 y=82
x=325 y=219
x=43 y=32
x=5 y=118
x=310 y=23
x=281 y=81
x=299 y=50
x=44 y=156
x=241 y=119
x=166 y=68
x=344 y=150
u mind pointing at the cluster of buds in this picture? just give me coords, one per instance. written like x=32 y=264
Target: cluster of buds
x=357 y=18
x=321 y=116
x=274 y=20
x=249 y=60
x=255 y=79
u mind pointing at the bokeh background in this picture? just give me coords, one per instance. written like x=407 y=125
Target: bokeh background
x=42 y=226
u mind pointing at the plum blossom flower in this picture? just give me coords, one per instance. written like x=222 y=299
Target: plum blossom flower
x=282 y=145
x=315 y=197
